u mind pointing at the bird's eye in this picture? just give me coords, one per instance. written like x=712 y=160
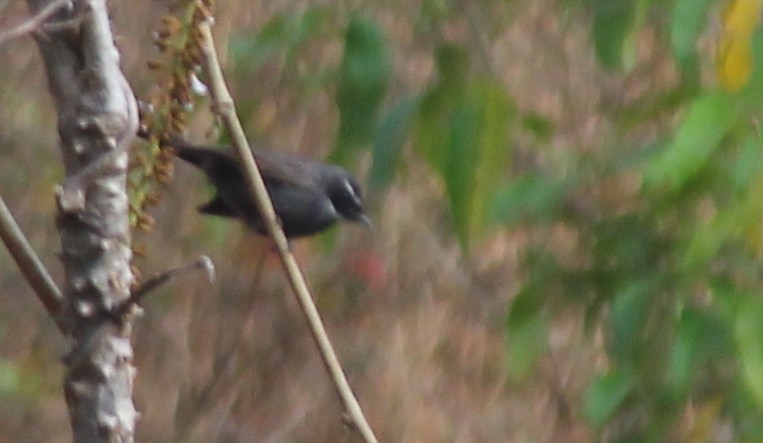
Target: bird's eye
x=350 y=189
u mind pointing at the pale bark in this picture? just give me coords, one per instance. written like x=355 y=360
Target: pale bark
x=97 y=118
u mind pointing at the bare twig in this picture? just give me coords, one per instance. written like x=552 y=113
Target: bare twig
x=72 y=24
x=138 y=294
x=34 y=23
x=223 y=106
x=227 y=363
x=30 y=265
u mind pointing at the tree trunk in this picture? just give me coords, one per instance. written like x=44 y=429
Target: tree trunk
x=97 y=119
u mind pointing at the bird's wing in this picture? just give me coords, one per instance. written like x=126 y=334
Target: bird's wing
x=276 y=167
x=302 y=211
x=210 y=160
x=289 y=169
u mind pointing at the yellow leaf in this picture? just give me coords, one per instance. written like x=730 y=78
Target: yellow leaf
x=740 y=19
x=752 y=229
x=704 y=417
x=734 y=64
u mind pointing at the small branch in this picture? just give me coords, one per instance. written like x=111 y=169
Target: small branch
x=30 y=265
x=71 y=24
x=223 y=106
x=138 y=294
x=33 y=23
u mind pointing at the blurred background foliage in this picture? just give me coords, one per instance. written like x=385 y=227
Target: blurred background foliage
x=567 y=227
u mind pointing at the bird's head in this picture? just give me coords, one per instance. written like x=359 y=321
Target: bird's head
x=345 y=194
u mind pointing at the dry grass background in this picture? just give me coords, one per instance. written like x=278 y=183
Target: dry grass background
x=418 y=326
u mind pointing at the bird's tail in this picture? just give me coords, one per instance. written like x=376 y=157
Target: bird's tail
x=204 y=158
x=199 y=157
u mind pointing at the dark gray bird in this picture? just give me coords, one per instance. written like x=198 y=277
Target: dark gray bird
x=308 y=196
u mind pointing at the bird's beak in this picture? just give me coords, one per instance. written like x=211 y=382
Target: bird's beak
x=363 y=218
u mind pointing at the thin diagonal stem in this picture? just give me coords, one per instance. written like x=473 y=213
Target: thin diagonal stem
x=225 y=109
x=30 y=265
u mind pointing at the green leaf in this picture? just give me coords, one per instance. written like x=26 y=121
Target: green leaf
x=630 y=311
x=281 y=40
x=461 y=158
x=726 y=297
x=709 y=118
x=700 y=337
x=284 y=33
x=532 y=198
x=492 y=157
x=684 y=355
x=390 y=138
x=527 y=331
x=438 y=104
x=748 y=332
x=752 y=94
x=615 y=26
x=539 y=125
x=737 y=223
x=364 y=75
x=707 y=239
x=688 y=22
x=249 y=53
x=475 y=155
x=748 y=163
x=606 y=395
x=10 y=378
x=462 y=129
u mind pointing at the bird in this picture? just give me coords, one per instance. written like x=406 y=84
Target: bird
x=308 y=196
